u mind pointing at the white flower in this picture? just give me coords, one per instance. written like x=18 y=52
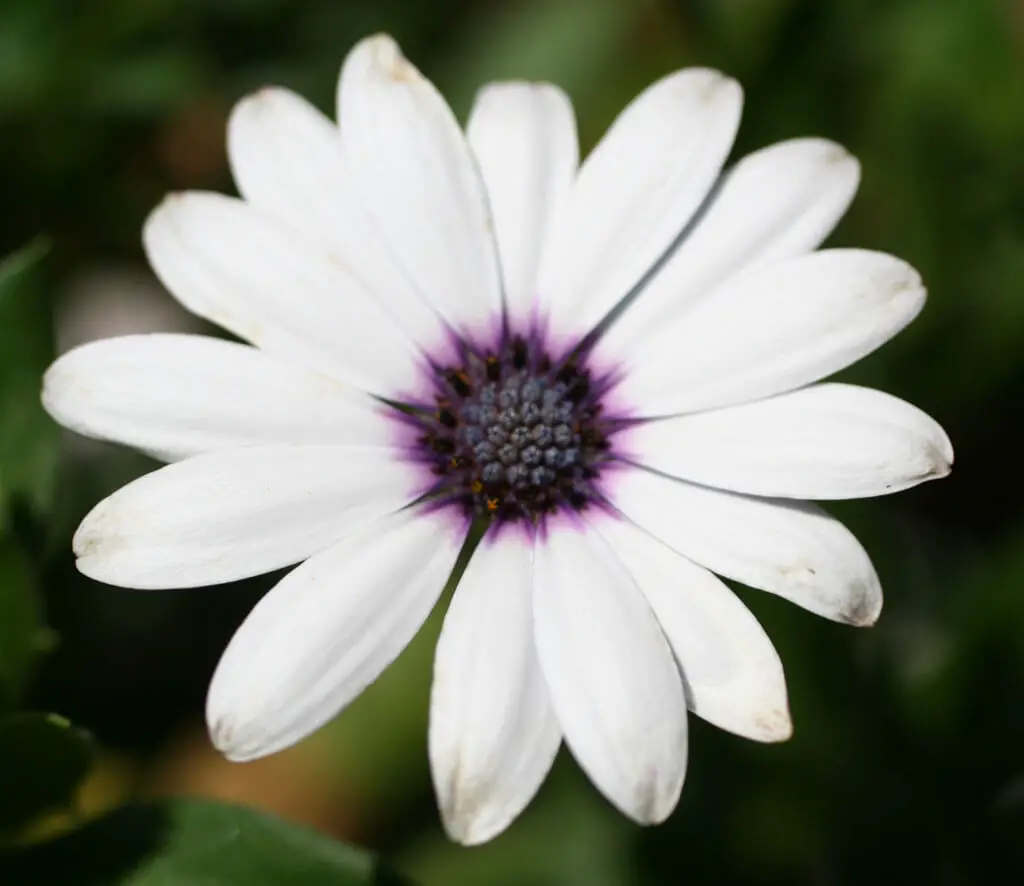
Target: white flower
x=619 y=450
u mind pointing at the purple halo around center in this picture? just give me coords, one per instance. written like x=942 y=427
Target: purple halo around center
x=512 y=434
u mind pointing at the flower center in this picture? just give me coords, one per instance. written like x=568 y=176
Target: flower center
x=514 y=437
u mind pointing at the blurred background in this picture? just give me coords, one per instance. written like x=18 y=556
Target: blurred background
x=906 y=765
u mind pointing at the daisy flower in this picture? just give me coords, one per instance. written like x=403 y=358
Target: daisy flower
x=599 y=382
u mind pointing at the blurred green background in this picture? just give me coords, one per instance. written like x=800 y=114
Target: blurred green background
x=906 y=765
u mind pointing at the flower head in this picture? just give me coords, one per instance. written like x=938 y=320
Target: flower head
x=609 y=374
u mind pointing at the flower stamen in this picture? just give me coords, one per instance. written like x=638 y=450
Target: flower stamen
x=512 y=437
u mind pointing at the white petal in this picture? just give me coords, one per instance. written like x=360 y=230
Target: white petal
x=326 y=632
x=493 y=733
x=266 y=282
x=732 y=672
x=614 y=684
x=176 y=396
x=419 y=183
x=772 y=330
x=524 y=138
x=776 y=203
x=827 y=441
x=287 y=160
x=636 y=192
x=235 y=513
x=788 y=548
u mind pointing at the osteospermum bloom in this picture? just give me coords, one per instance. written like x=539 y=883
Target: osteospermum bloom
x=609 y=374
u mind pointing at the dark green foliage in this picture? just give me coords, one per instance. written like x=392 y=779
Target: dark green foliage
x=905 y=766
x=28 y=439
x=191 y=843
x=43 y=759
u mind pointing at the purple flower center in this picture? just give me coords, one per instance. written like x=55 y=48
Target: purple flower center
x=514 y=436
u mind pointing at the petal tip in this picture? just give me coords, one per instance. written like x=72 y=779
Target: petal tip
x=904 y=278
x=234 y=732
x=843 y=166
x=942 y=458
x=831 y=153
x=731 y=89
x=701 y=87
x=85 y=563
x=521 y=89
x=864 y=609
x=87 y=540
x=381 y=39
x=774 y=725
x=470 y=812
x=171 y=200
x=655 y=793
x=230 y=742
x=387 y=58
x=726 y=93
x=255 y=105
x=468 y=830
x=55 y=383
x=707 y=82
x=157 y=221
x=654 y=804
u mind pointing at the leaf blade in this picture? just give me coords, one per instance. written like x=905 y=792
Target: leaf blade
x=193 y=843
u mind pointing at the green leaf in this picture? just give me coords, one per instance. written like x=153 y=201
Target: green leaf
x=192 y=843
x=43 y=760
x=22 y=633
x=28 y=438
